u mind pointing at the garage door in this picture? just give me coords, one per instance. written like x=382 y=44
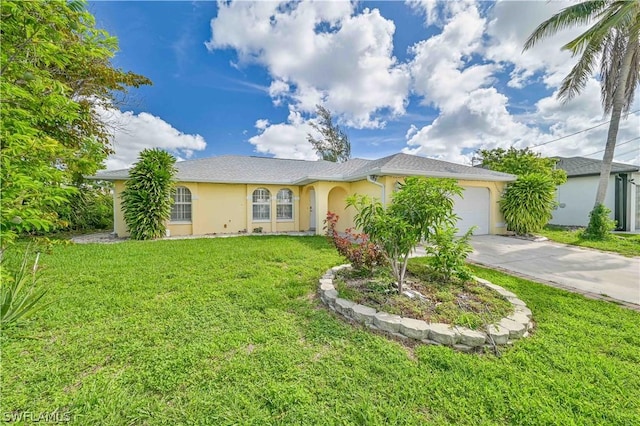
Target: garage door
x=473 y=209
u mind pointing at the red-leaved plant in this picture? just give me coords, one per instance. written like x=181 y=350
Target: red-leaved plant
x=356 y=247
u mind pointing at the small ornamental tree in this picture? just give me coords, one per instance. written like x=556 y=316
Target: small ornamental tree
x=527 y=203
x=146 y=200
x=421 y=210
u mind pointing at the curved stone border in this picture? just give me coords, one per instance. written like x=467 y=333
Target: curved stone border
x=513 y=327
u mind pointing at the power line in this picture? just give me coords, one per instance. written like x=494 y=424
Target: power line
x=617 y=145
x=576 y=133
x=628 y=152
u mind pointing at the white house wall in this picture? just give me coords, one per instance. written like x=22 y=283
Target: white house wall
x=575 y=200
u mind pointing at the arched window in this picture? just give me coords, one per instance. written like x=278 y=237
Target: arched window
x=261 y=205
x=284 y=205
x=181 y=209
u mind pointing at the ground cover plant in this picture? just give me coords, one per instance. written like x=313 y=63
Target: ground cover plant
x=625 y=244
x=458 y=302
x=228 y=331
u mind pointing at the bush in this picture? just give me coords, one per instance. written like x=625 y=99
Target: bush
x=91 y=207
x=528 y=202
x=599 y=223
x=449 y=254
x=146 y=200
x=356 y=247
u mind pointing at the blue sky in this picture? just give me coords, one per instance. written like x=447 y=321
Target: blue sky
x=433 y=79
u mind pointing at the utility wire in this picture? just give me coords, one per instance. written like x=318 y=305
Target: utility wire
x=617 y=145
x=576 y=133
x=628 y=152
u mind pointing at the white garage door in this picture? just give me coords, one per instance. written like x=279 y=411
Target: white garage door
x=473 y=209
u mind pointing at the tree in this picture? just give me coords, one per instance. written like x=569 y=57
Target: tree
x=146 y=199
x=422 y=209
x=334 y=145
x=528 y=202
x=521 y=162
x=55 y=73
x=613 y=40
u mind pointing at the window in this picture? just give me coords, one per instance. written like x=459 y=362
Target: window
x=284 y=205
x=261 y=205
x=181 y=209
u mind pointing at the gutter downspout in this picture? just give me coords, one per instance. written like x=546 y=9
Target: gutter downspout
x=374 y=180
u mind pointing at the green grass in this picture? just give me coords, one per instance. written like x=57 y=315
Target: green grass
x=625 y=244
x=226 y=331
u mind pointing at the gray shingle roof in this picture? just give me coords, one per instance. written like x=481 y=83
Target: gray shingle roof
x=581 y=166
x=263 y=170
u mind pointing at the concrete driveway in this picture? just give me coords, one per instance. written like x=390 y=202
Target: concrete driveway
x=589 y=272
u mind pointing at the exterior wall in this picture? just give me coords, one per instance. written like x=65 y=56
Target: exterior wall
x=575 y=200
x=227 y=208
x=216 y=208
x=119 y=225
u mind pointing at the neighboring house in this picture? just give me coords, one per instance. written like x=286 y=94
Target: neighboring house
x=576 y=196
x=231 y=194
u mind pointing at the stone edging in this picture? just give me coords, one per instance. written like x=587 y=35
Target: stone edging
x=513 y=327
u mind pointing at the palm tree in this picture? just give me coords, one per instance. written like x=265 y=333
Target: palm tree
x=612 y=40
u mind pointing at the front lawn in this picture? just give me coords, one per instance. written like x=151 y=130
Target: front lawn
x=625 y=244
x=227 y=331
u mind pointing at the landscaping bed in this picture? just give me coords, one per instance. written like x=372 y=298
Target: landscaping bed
x=456 y=302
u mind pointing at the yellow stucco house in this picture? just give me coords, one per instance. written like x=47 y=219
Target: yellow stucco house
x=232 y=194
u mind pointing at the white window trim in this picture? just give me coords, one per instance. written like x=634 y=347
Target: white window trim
x=260 y=203
x=190 y=204
x=292 y=203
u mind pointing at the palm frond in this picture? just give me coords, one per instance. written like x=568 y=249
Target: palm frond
x=576 y=15
x=612 y=54
x=634 y=76
x=577 y=79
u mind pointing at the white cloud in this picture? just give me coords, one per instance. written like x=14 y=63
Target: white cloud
x=507 y=37
x=285 y=140
x=473 y=114
x=131 y=133
x=319 y=52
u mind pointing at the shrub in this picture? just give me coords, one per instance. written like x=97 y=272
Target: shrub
x=528 y=202
x=146 y=200
x=449 y=254
x=356 y=247
x=91 y=207
x=599 y=223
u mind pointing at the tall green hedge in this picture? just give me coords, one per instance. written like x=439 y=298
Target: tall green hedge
x=146 y=200
x=528 y=202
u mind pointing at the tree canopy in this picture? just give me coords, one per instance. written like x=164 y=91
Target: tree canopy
x=334 y=144
x=55 y=74
x=521 y=162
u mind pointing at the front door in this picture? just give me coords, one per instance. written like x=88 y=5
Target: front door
x=312 y=210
